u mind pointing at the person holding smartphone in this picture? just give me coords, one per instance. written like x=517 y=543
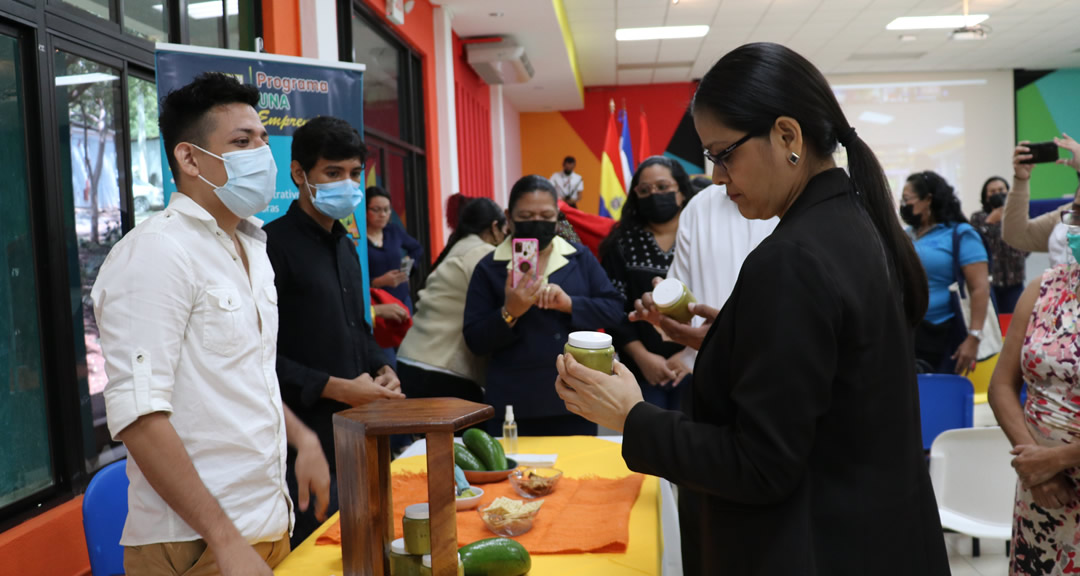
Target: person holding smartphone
x=522 y=328
x=390 y=248
x=1046 y=233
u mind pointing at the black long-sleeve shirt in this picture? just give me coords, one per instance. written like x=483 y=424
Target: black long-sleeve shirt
x=322 y=331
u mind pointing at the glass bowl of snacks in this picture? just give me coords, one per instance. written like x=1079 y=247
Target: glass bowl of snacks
x=535 y=482
x=509 y=518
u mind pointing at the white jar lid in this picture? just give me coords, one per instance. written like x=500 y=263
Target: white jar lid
x=398 y=546
x=417 y=511
x=590 y=340
x=426 y=560
x=668 y=292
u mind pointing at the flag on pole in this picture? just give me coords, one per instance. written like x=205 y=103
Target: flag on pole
x=643 y=149
x=612 y=183
x=626 y=150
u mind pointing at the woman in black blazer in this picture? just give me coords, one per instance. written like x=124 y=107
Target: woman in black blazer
x=802 y=453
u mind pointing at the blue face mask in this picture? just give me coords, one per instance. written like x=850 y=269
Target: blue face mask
x=336 y=199
x=1073 y=237
x=252 y=180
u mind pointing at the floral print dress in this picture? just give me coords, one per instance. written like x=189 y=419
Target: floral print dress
x=1048 y=541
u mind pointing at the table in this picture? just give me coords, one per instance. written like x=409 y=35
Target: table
x=578 y=456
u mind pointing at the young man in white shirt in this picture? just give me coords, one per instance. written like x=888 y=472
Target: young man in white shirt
x=187 y=313
x=568 y=183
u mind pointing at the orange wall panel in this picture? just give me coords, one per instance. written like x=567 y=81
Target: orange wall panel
x=50 y=544
x=547 y=138
x=281 y=27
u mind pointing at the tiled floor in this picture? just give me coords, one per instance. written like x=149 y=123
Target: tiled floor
x=991 y=562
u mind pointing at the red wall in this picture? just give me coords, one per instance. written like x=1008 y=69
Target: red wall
x=419 y=33
x=473 y=103
x=50 y=544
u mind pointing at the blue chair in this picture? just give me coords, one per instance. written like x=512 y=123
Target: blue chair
x=946 y=402
x=105 y=507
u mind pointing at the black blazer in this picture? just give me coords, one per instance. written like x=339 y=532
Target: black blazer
x=803 y=451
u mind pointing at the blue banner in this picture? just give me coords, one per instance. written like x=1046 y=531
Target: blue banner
x=291 y=92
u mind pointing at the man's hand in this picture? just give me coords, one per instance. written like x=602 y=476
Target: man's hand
x=359 y=390
x=392 y=313
x=312 y=475
x=388 y=379
x=391 y=279
x=240 y=559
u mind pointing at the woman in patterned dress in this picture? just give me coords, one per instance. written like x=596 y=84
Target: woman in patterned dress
x=638 y=249
x=1041 y=349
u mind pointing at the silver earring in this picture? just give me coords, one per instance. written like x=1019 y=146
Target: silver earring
x=794 y=159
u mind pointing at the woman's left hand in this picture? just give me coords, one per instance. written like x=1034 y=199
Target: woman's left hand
x=1035 y=464
x=966 y=355
x=597 y=397
x=553 y=297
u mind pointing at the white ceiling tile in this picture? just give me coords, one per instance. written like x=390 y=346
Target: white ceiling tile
x=681 y=74
x=681 y=50
x=634 y=77
x=637 y=52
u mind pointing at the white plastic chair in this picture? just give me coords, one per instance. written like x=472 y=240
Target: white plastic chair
x=974 y=482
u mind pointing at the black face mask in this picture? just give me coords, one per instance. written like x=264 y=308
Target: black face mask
x=659 y=208
x=907 y=214
x=995 y=201
x=542 y=230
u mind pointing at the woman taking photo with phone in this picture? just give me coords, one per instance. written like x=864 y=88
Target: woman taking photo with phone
x=522 y=328
x=803 y=452
x=1045 y=233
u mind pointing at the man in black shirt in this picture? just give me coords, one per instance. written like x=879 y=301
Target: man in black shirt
x=327 y=357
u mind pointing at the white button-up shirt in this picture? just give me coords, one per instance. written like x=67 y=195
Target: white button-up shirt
x=186 y=331
x=713 y=241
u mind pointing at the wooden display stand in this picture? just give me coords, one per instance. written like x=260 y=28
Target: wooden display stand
x=362 y=446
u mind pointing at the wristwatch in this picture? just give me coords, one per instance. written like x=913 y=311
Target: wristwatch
x=976 y=333
x=507 y=317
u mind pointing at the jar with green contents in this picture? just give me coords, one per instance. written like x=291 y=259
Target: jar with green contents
x=401 y=562
x=425 y=566
x=592 y=350
x=417 y=529
x=672 y=299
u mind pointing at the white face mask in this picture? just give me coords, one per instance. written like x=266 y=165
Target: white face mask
x=252 y=180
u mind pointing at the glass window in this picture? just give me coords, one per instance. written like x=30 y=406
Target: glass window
x=88 y=99
x=205 y=20
x=383 y=60
x=99 y=8
x=147 y=19
x=147 y=193
x=25 y=466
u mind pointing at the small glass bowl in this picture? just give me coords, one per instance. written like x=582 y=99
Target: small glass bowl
x=535 y=482
x=507 y=528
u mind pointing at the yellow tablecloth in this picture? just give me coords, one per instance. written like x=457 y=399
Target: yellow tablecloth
x=578 y=456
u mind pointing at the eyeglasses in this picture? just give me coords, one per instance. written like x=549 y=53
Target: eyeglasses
x=644 y=190
x=1070 y=217
x=718 y=159
x=380 y=210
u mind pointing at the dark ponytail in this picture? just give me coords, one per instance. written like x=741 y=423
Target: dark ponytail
x=475 y=215
x=753 y=85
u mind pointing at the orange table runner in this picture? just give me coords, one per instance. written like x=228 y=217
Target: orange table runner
x=581 y=515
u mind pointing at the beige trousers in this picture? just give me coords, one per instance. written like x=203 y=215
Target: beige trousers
x=190 y=558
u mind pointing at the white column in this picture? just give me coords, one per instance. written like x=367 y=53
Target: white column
x=318 y=29
x=449 y=182
x=498 y=144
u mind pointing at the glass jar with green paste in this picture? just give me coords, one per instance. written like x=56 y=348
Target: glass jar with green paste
x=401 y=562
x=592 y=350
x=417 y=529
x=672 y=299
x=425 y=566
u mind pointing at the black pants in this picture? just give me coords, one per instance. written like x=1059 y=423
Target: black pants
x=417 y=382
x=306 y=523
x=1006 y=297
x=936 y=343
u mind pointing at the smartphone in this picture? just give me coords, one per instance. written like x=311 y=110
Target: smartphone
x=1042 y=153
x=406 y=265
x=526 y=253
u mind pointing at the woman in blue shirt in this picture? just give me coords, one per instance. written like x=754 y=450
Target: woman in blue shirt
x=388 y=245
x=932 y=210
x=523 y=329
